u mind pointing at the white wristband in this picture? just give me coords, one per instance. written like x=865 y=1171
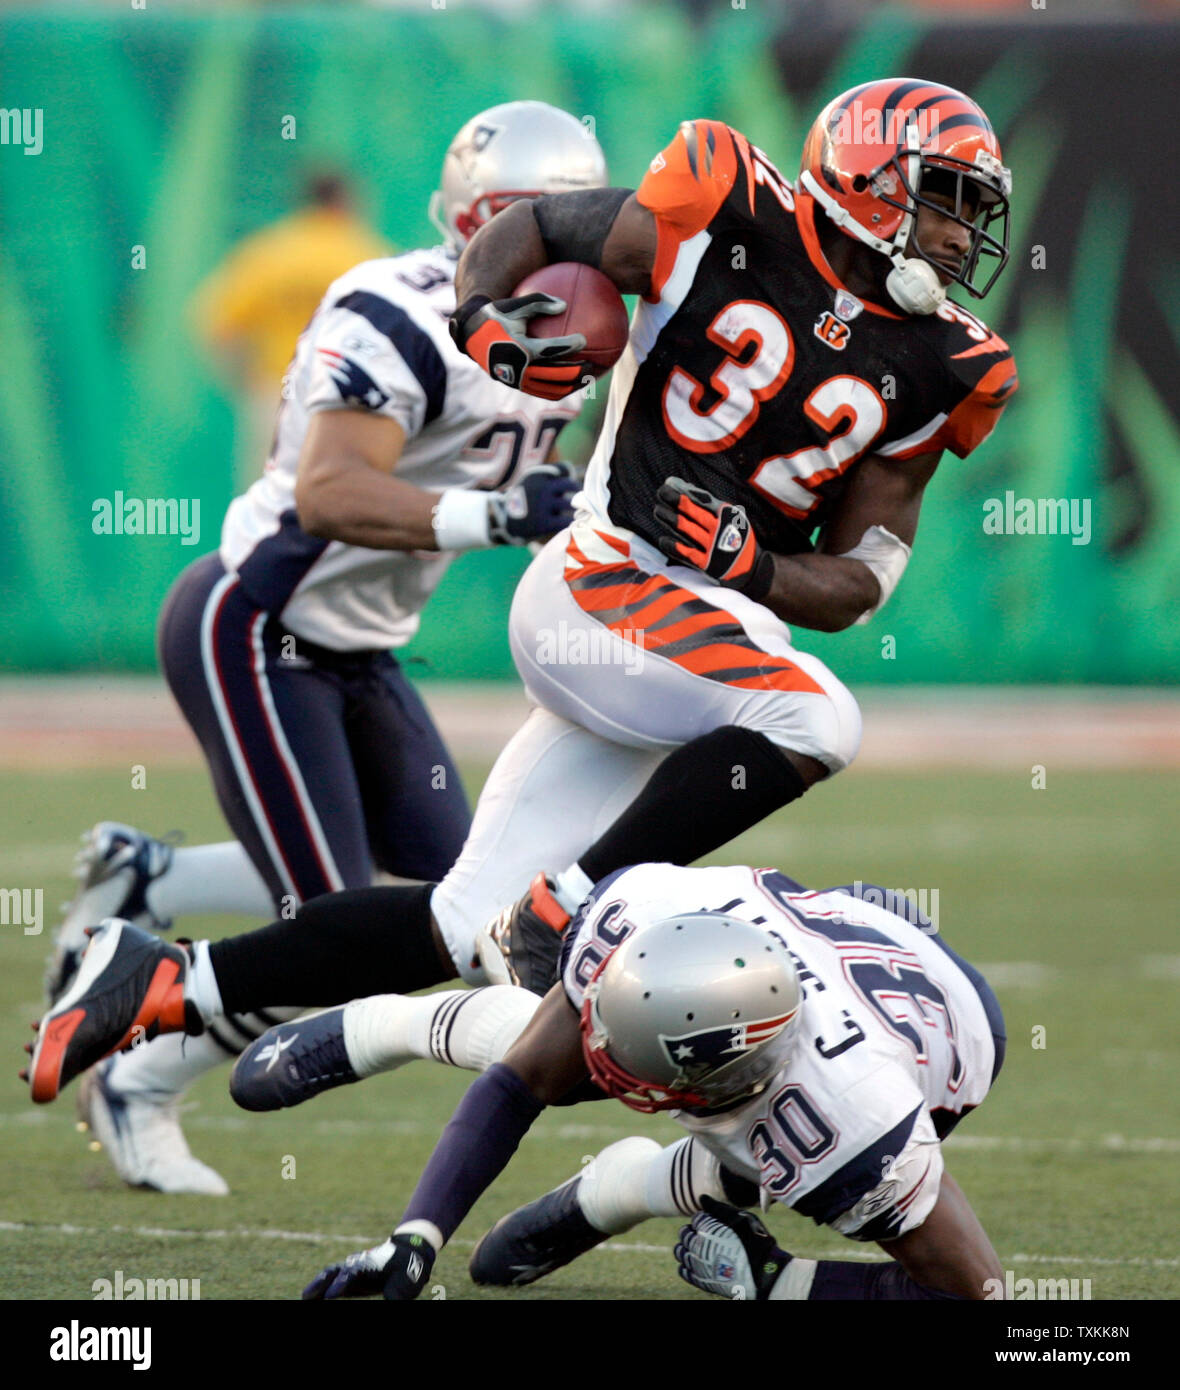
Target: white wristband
x=426 y=1229
x=887 y=557
x=460 y=519
x=794 y=1282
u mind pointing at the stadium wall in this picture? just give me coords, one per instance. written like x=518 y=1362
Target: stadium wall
x=162 y=131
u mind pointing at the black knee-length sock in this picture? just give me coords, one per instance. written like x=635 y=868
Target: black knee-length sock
x=338 y=947
x=697 y=800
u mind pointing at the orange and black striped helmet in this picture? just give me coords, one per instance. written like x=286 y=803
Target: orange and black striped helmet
x=879 y=148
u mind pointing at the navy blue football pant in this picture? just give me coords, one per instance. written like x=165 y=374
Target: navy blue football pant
x=324 y=763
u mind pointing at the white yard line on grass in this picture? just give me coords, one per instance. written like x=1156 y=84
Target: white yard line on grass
x=622 y=1247
x=1099 y=1143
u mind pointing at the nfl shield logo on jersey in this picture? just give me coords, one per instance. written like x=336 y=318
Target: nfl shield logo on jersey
x=847 y=306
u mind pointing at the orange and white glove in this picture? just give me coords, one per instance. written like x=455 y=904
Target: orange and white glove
x=493 y=333
x=699 y=529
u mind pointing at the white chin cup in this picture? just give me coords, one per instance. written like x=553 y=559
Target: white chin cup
x=915 y=287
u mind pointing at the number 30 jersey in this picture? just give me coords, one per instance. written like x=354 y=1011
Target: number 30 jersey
x=897 y=1040
x=753 y=373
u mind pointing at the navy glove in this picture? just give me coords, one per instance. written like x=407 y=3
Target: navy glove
x=397 y=1269
x=537 y=504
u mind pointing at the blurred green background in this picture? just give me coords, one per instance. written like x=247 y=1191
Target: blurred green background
x=162 y=129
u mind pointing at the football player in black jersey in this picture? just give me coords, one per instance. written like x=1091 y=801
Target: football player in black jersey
x=794 y=372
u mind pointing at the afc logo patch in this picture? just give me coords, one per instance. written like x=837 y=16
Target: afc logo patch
x=829 y=329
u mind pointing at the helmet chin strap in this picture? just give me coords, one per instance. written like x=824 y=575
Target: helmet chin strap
x=912 y=284
x=435 y=211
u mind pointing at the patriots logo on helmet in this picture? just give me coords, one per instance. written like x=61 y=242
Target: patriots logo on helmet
x=483 y=135
x=352 y=381
x=697 y=1054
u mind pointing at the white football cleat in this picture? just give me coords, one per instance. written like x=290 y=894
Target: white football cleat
x=141 y=1135
x=113 y=868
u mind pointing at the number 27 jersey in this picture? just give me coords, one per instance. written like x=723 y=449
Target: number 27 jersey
x=753 y=373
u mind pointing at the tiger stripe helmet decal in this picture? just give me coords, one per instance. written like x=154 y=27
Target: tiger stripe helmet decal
x=876 y=150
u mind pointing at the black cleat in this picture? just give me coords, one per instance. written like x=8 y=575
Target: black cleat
x=129 y=988
x=522 y=946
x=535 y=1239
x=292 y=1062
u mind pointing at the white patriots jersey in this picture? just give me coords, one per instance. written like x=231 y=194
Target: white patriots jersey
x=379 y=342
x=895 y=1043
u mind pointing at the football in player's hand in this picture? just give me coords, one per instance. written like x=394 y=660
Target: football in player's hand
x=594 y=308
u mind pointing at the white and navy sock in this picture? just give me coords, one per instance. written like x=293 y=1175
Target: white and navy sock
x=469 y=1028
x=636 y=1179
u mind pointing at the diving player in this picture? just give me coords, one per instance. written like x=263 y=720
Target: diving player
x=816 y=1046
x=392 y=452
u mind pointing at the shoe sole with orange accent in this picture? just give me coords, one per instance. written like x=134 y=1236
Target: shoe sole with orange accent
x=527 y=938
x=129 y=985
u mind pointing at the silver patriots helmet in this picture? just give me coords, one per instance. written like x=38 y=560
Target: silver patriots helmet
x=519 y=149
x=694 y=1012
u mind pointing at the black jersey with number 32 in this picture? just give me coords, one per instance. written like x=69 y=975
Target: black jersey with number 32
x=752 y=372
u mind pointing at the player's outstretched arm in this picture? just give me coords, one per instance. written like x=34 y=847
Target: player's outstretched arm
x=344 y=492
x=543 y=1065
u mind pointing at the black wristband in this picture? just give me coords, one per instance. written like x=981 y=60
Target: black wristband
x=761 y=578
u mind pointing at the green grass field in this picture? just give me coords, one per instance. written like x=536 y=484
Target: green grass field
x=1068 y=891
